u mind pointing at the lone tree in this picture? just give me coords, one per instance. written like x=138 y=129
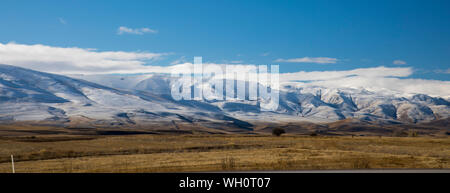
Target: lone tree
x=278 y=131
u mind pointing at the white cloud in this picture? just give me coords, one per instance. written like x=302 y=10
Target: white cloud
x=318 y=60
x=399 y=62
x=75 y=60
x=136 y=31
x=331 y=75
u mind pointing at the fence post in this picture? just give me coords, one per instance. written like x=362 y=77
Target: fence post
x=12 y=164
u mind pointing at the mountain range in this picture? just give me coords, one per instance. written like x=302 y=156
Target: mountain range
x=145 y=101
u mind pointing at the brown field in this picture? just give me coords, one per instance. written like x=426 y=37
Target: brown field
x=218 y=152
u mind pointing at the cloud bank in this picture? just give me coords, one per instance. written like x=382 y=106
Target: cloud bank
x=75 y=60
x=376 y=72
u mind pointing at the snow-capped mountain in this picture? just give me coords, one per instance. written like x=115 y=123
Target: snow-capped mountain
x=311 y=103
x=27 y=95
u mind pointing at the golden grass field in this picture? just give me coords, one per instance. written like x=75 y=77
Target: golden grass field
x=236 y=152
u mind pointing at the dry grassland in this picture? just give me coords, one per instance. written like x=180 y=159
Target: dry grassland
x=180 y=153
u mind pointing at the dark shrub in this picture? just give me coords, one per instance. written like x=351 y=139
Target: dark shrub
x=278 y=131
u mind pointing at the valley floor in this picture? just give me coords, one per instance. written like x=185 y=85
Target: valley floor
x=234 y=152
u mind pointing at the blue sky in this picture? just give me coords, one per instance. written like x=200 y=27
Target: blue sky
x=358 y=33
